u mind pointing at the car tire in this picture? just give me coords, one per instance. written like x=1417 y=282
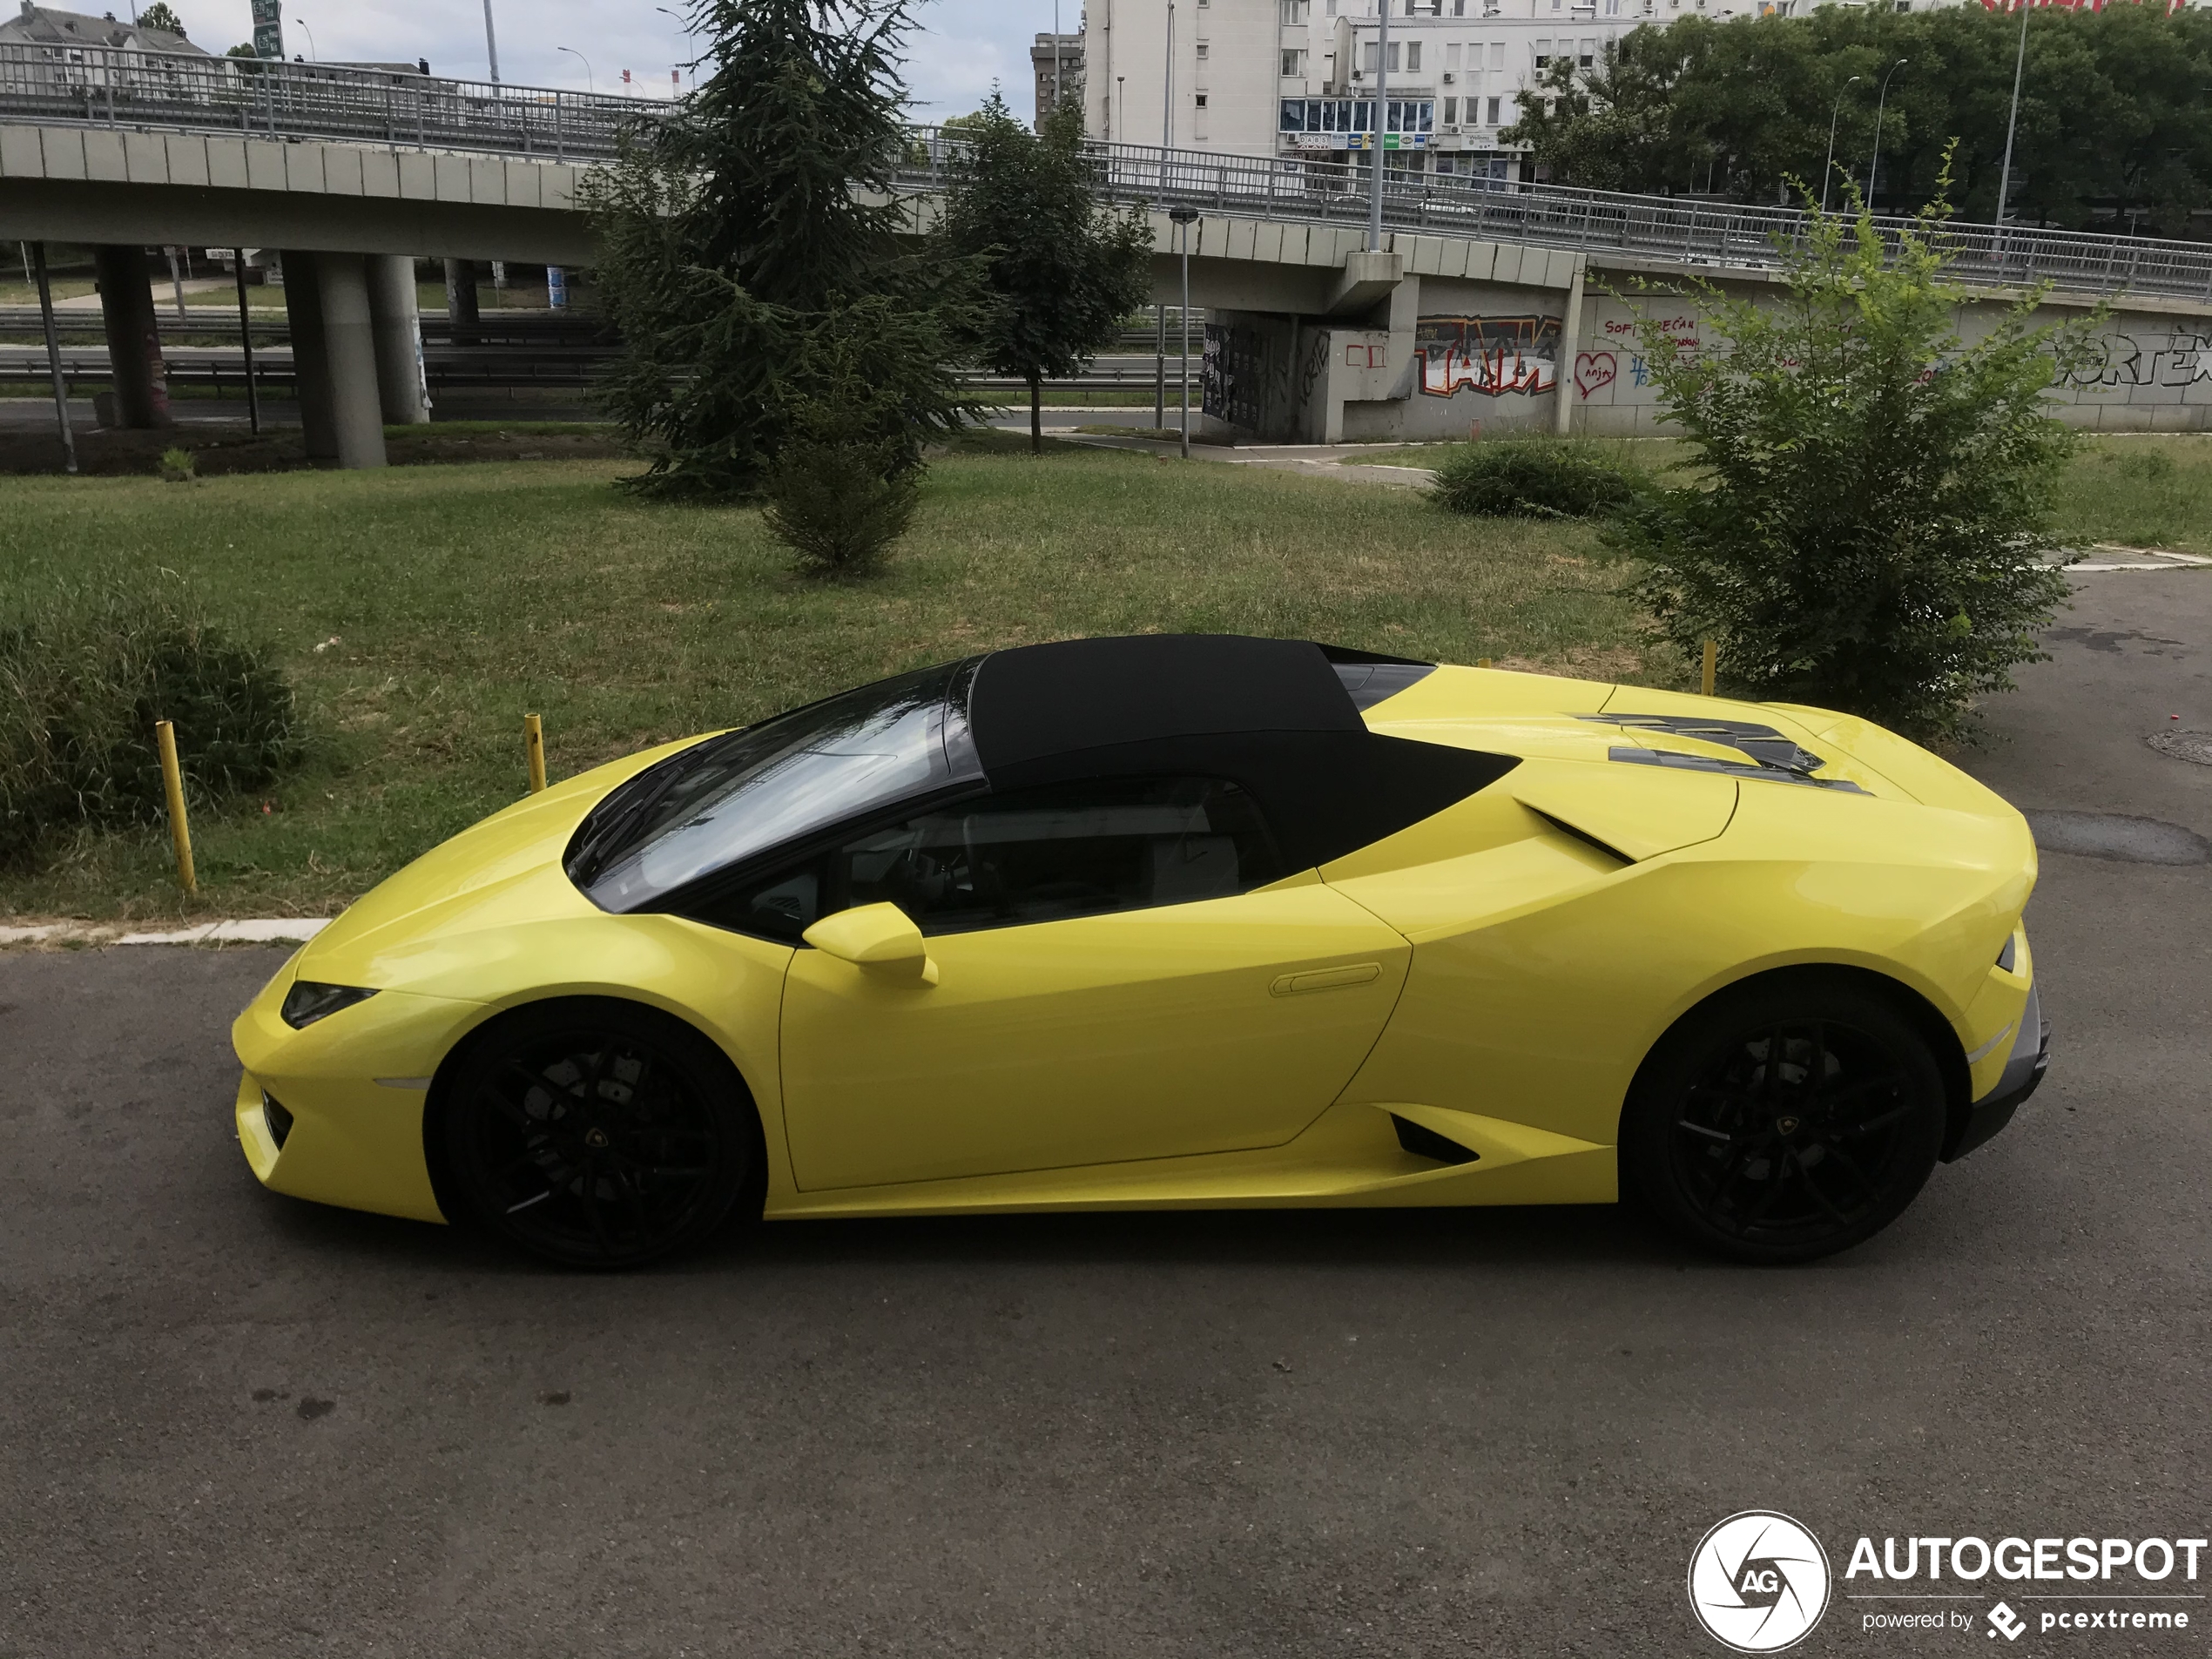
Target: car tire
x=1788 y=1161
x=596 y=1133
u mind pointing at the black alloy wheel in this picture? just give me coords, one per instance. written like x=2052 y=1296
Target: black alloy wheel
x=598 y=1133
x=1784 y=1123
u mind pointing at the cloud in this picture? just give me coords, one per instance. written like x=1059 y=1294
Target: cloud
x=960 y=47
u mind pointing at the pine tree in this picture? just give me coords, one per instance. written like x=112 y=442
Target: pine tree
x=754 y=235
x=1063 y=268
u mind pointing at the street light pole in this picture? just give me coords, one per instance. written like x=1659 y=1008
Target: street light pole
x=1184 y=217
x=491 y=43
x=1375 y=128
x=1874 y=168
x=1829 y=171
x=2011 y=121
x=1055 y=54
x=590 y=85
x=310 y=33
x=1159 y=311
x=54 y=363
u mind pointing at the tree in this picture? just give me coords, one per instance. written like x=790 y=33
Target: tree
x=753 y=234
x=2111 y=122
x=160 y=16
x=1062 y=270
x=1871 y=531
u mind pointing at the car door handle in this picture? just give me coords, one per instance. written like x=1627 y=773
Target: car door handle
x=1326 y=979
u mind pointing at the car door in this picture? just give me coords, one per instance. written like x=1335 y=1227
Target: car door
x=1120 y=972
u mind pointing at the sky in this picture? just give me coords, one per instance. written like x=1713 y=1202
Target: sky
x=960 y=47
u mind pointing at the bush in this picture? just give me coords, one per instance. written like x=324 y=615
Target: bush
x=84 y=677
x=1532 y=478
x=1871 y=530
x=176 y=466
x=838 y=504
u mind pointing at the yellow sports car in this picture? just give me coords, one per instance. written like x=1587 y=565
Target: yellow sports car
x=1177 y=920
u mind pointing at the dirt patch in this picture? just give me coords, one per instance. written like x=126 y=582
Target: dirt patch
x=219 y=450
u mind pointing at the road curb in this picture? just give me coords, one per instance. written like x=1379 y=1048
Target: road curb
x=261 y=930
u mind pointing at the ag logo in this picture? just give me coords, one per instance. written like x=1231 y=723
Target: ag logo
x=1758 y=1582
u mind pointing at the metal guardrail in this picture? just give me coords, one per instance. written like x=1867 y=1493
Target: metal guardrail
x=267 y=97
x=108 y=87
x=1608 y=226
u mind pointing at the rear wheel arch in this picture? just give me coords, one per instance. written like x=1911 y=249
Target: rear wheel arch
x=438 y=1099
x=1842 y=1016
x=1925 y=1018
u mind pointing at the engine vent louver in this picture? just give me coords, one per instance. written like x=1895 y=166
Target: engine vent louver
x=1770 y=755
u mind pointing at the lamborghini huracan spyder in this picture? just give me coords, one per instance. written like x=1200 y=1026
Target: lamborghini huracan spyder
x=1177 y=920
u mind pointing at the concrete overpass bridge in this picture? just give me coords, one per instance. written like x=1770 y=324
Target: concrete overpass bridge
x=1486 y=308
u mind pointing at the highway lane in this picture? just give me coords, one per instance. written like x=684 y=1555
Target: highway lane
x=237 y=1424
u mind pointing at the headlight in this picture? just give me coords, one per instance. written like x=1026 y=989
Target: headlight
x=307 y=1001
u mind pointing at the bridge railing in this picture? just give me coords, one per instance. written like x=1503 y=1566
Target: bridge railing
x=113 y=87
x=1657 y=229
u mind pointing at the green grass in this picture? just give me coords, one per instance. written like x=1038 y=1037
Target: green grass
x=507 y=429
x=422 y=613
x=21 y=292
x=2141 y=492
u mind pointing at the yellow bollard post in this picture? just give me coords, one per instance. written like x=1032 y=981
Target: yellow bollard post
x=172 y=784
x=534 y=747
x=1705 y=675
x=1482 y=662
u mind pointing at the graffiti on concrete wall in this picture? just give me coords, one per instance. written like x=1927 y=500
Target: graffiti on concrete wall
x=1234 y=375
x=1488 y=355
x=2130 y=359
x=1594 y=369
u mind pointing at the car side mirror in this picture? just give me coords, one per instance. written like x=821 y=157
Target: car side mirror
x=879 y=939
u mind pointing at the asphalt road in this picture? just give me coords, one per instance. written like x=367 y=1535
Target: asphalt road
x=233 y=1424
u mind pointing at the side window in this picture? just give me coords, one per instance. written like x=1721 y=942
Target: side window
x=999 y=860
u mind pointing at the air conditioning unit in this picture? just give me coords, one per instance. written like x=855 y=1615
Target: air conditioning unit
x=1449 y=77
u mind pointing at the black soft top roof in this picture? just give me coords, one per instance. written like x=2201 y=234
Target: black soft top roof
x=1279 y=717
x=1040 y=700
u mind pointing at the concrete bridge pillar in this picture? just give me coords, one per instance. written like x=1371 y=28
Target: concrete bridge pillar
x=133 y=339
x=349 y=342
x=310 y=359
x=461 y=299
x=398 y=327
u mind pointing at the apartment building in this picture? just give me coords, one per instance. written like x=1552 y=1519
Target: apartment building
x=1279 y=77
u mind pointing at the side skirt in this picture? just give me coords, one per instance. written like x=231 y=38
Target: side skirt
x=1350 y=1157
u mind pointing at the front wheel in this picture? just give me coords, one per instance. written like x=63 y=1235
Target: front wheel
x=1784 y=1122
x=597 y=1133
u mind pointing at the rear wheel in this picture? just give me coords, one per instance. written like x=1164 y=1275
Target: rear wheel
x=598 y=1133
x=1785 y=1122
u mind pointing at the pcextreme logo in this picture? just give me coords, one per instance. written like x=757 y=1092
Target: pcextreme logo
x=1758 y=1582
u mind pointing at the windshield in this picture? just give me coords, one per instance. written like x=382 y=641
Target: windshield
x=722 y=801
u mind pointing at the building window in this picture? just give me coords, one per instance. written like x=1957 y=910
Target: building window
x=1413 y=56
x=1451 y=111
x=1293 y=63
x=1297 y=11
x=1202 y=52
x=1589 y=55
x=1497 y=54
x=1491 y=119
x=1451 y=56
x=1202 y=100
